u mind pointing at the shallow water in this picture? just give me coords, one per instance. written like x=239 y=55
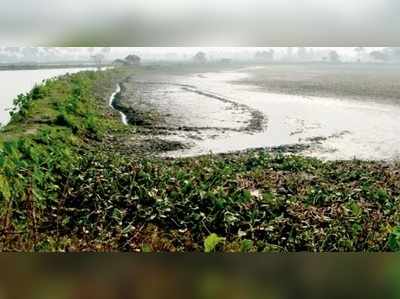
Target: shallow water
x=124 y=118
x=13 y=83
x=333 y=128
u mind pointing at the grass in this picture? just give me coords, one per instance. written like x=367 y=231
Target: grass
x=62 y=190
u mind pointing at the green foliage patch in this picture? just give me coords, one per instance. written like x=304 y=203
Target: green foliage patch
x=41 y=145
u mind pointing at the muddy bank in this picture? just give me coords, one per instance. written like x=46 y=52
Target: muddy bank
x=210 y=112
x=143 y=107
x=132 y=115
x=183 y=110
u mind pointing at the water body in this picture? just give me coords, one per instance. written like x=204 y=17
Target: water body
x=331 y=128
x=15 y=82
x=124 y=119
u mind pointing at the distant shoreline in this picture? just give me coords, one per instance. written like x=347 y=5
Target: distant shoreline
x=37 y=66
x=20 y=67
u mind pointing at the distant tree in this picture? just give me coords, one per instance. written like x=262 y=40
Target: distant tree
x=12 y=49
x=379 y=56
x=132 y=60
x=226 y=61
x=265 y=55
x=392 y=52
x=10 y=54
x=119 y=62
x=200 y=57
x=334 y=56
x=98 y=60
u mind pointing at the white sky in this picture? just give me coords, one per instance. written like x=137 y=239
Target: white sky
x=204 y=23
x=163 y=53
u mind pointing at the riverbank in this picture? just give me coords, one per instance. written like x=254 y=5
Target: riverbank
x=15 y=82
x=70 y=181
x=45 y=66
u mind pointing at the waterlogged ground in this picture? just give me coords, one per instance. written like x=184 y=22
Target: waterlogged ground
x=271 y=107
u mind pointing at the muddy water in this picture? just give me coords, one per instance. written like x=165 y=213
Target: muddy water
x=13 y=83
x=124 y=118
x=330 y=128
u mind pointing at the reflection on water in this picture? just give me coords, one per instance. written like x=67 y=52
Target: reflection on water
x=16 y=82
x=335 y=129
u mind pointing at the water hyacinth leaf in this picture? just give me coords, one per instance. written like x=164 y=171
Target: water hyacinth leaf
x=246 y=245
x=146 y=248
x=211 y=242
x=394 y=240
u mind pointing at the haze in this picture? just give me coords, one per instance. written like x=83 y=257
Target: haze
x=184 y=54
x=195 y=23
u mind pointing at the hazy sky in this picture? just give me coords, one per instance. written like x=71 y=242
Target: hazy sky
x=57 y=54
x=202 y=23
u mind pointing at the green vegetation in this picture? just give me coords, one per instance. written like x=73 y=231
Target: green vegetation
x=66 y=185
x=245 y=202
x=211 y=242
x=49 y=128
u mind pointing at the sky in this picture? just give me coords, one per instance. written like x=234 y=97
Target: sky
x=200 y=23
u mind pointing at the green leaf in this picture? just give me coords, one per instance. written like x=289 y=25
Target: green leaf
x=355 y=208
x=394 y=240
x=211 y=242
x=246 y=245
x=5 y=188
x=146 y=248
